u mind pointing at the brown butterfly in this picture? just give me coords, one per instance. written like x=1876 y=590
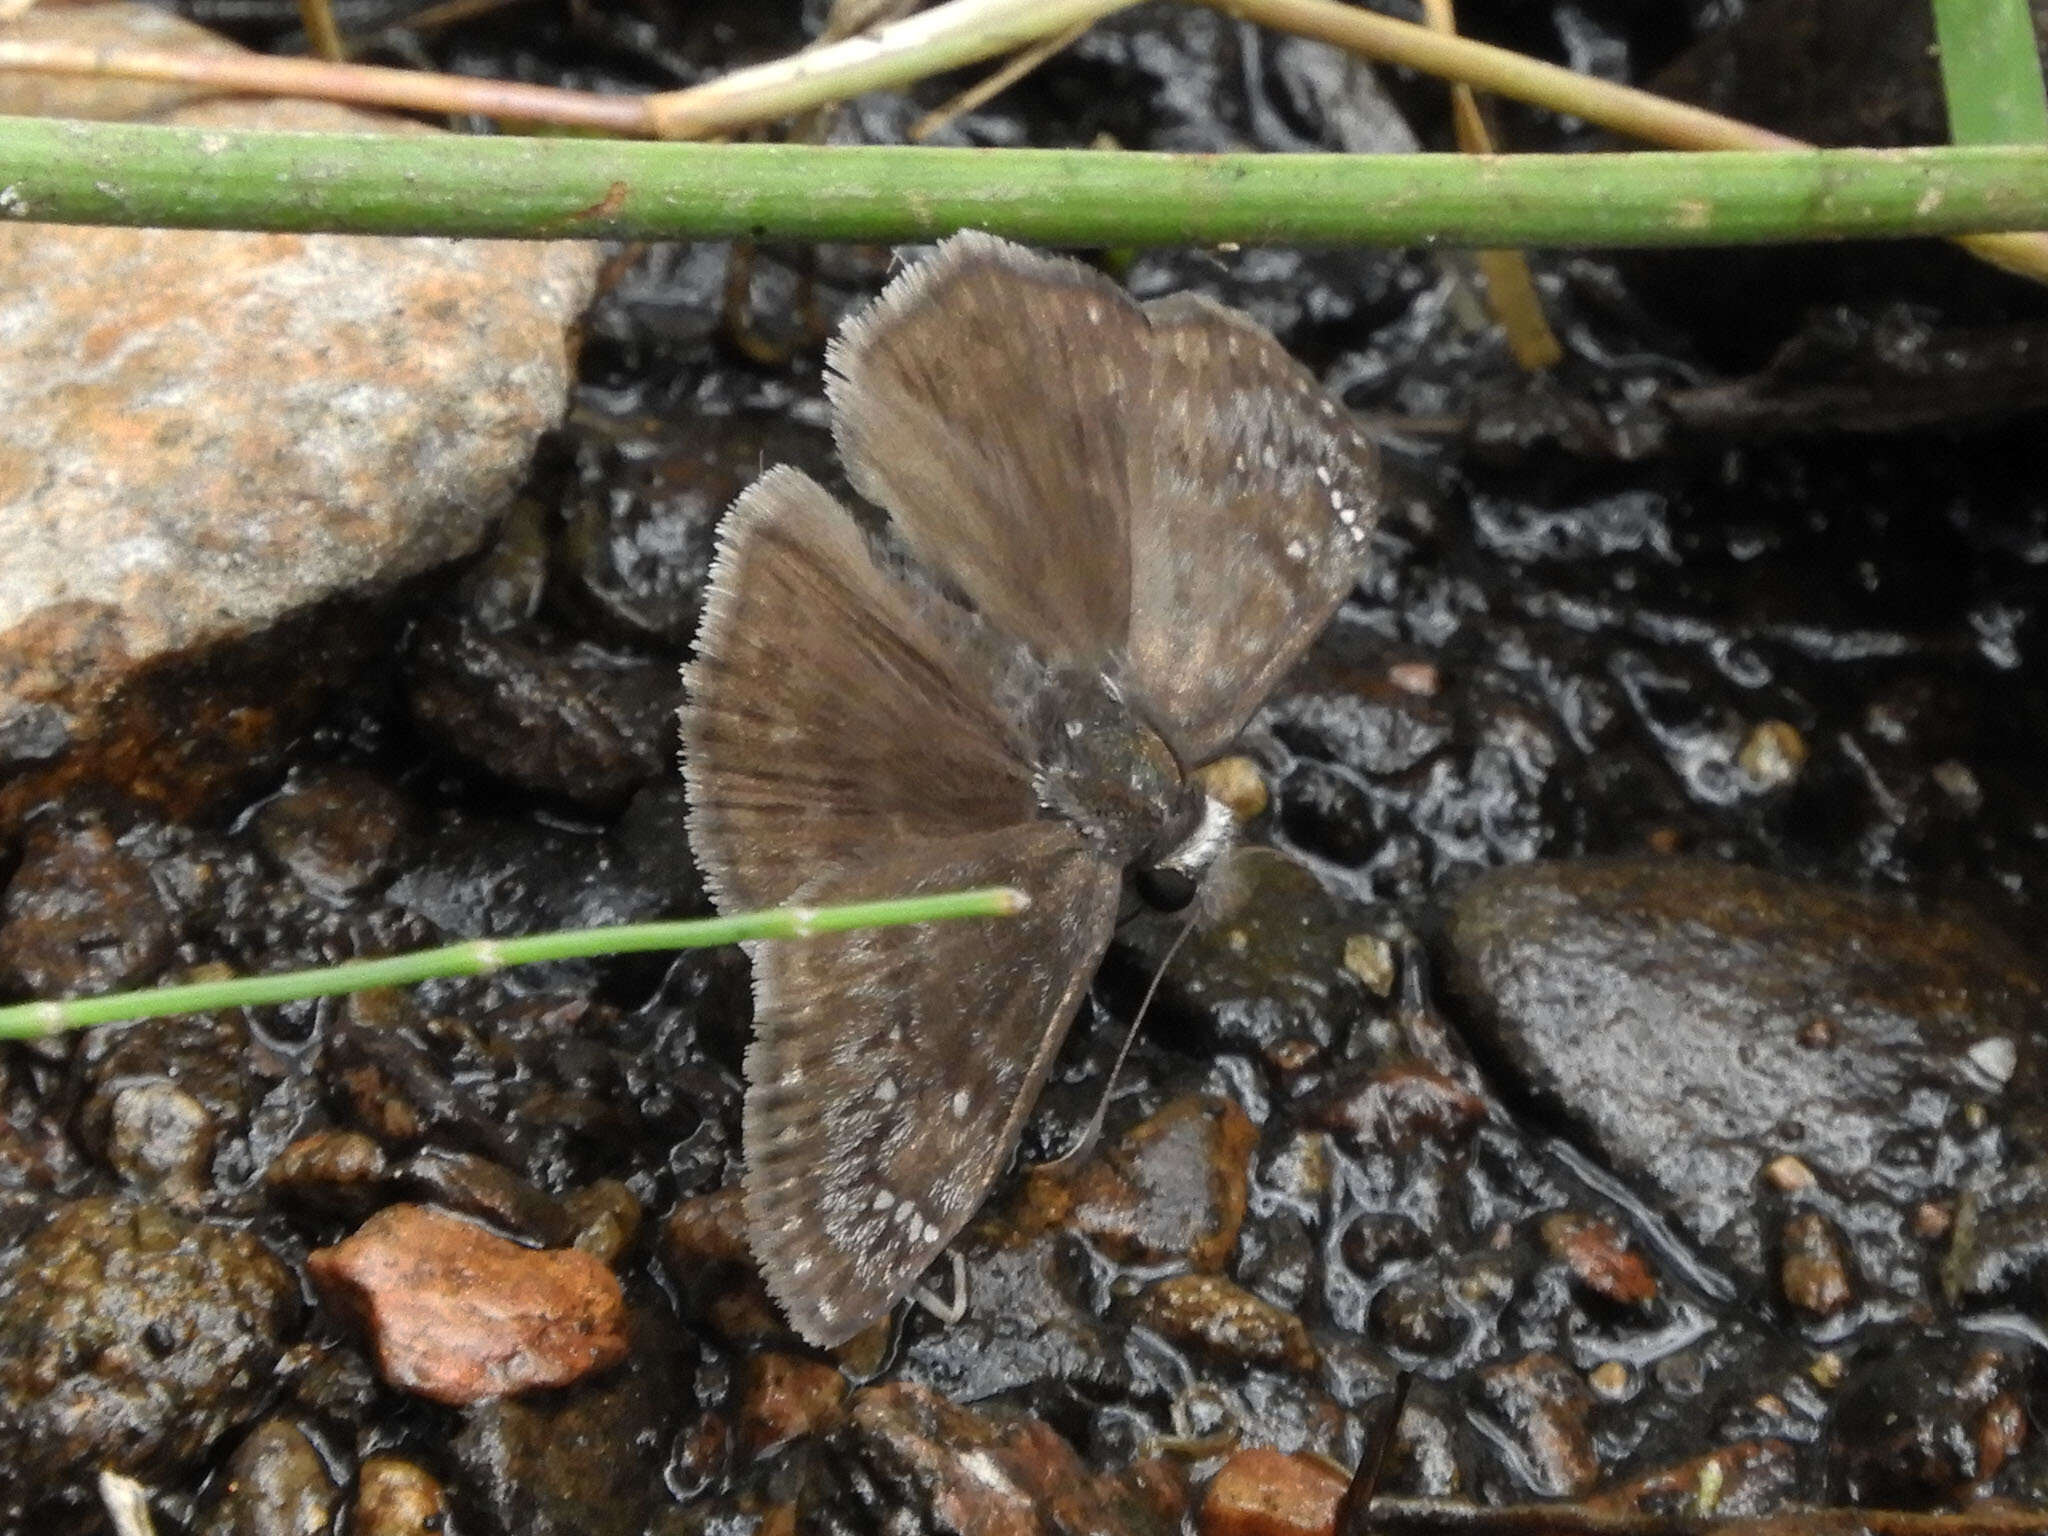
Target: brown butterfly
x=1126 y=521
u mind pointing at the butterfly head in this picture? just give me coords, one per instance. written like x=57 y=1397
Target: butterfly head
x=1169 y=877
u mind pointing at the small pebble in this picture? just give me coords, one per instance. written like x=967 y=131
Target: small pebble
x=161 y=1139
x=1399 y=1107
x=1665 y=842
x=1600 y=1263
x=1543 y=1408
x=1371 y=959
x=395 y=1497
x=704 y=1248
x=1813 y=1272
x=1215 y=1317
x=1820 y=1032
x=1262 y=1492
x=1610 y=1381
x=607 y=1216
x=1773 y=754
x=1825 y=1370
x=1237 y=782
x=1955 y=780
x=1420 y=678
x=1931 y=1220
x=785 y=1396
x=331 y=1170
x=460 y=1315
x=1788 y=1174
x=1995 y=1059
x=277 y=1484
x=1172 y=1189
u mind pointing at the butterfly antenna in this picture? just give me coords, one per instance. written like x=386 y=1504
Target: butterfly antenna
x=1356 y=1505
x=1093 y=1132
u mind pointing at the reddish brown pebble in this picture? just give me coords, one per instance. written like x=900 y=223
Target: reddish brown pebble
x=1665 y=841
x=1932 y=1220
x=2001 y=1430
x=1817 y=1034
x=331 y=1168
x=1814 y=1271
x=1399 y=1107
x=784 y=1396
x=704 y=1248
x=1592 y=1250
x=458 y=1314
x=1171 y=1190
x=1269 y=1493
x=1420 y=678
x=1219 y=1318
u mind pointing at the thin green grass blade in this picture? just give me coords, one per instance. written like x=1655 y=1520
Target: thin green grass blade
x=30 y=1021
x=1991 y=72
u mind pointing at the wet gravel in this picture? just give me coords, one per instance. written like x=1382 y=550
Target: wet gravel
x=1637 y=1034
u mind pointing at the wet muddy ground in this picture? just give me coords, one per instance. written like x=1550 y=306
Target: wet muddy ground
x=1642 y=1040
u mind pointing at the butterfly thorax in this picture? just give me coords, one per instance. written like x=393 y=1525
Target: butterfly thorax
x=1106 y=772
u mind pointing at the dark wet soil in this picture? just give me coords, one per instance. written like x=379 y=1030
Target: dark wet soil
x=1638 y=1159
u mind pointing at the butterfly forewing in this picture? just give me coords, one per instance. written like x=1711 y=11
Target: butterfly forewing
x=984 y=400
x=1255 y=496
x=827 y=719
x=892 y=1069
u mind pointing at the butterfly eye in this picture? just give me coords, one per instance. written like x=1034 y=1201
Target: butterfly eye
x=1164 y=888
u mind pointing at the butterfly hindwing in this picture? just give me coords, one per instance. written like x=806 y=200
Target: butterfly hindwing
x=891 y=1070
x=1257 y=498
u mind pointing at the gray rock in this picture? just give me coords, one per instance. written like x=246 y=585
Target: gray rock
x=205 y=436
x=1690 y=1022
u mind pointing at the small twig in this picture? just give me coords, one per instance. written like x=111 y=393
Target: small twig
x=928 y=43
x=363 y=85
x=127 y=1504
x=1430 y=1517
x=322 y=35
x=31 y=1021
x=1510 y=288
x=986 y=90
x=447 y=13
x=1355 y=1508
x=1620 y=108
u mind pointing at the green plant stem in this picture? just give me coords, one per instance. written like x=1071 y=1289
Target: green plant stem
x=28 y=1021
x=1618 y=108
x=131 y=174
x=1991 y=72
